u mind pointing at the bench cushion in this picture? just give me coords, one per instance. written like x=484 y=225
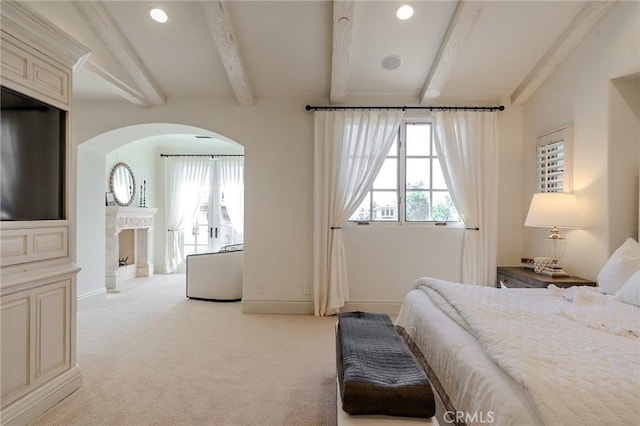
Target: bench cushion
x=377 y=373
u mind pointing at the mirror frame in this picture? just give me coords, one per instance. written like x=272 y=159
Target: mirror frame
x=112 y=189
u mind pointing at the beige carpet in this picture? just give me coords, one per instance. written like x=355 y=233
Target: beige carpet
x=149 y=356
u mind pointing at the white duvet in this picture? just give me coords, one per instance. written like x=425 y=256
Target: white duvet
x=578 y=360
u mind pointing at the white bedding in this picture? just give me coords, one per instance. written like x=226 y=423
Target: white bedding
x=524 y=358
x=473 y=382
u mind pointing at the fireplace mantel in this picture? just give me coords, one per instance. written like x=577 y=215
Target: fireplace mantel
x=130 y=217
x=140 y=220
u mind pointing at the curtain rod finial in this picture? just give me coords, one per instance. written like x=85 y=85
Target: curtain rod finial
x=308 y=107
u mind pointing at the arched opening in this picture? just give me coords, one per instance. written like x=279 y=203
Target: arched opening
x=140 y=147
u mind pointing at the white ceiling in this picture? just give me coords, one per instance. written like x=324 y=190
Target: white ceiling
x=479 y=52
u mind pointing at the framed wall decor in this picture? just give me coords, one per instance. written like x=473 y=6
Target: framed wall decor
x=110 y=199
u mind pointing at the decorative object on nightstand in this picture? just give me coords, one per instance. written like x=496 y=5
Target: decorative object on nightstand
x=541 y=263
x=553 y=210
x=519 y=277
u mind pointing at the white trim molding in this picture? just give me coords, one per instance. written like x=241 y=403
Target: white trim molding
x=285 y=307
x=93 y=297
x=30 y=407
x=305 y=307
x=31 y=28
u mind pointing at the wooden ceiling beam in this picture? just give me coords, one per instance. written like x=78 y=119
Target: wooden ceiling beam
x=219 y=24
x=115 y=85
x=107 y=30
x=462 y=23
x=341 y=48
x=582 y=24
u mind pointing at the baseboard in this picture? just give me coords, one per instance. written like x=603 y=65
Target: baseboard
x=287 y=307
x=91 y=298
x=32 y=405
x=305 y=307
x=389 y=308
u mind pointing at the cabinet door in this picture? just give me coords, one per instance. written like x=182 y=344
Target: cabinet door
x=15 y=316
x=36 y=338
x=33 y=73
x=52 y=305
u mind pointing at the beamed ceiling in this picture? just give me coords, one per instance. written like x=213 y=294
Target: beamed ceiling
x=449 y=51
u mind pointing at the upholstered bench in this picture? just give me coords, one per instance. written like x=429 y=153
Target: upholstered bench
x=376 y=372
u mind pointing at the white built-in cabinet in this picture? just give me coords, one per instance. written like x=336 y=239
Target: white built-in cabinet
x=37 y=270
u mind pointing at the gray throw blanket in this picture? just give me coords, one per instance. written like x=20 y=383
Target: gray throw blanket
x=376 y=371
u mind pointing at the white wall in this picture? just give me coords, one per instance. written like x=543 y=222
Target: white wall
x=277 y=136
x=580 y=92
x=278 y=180
x=511 y=209
x=384 y=261
x=90 y=226
x=624 y=139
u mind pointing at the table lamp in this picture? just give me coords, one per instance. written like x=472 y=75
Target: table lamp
x=554 y=210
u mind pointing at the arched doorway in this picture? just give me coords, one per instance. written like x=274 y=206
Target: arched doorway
x=140 y=147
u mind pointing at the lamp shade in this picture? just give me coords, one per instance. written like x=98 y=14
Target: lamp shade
x=550 y=209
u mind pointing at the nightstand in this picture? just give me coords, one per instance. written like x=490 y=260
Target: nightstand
x=518 y=277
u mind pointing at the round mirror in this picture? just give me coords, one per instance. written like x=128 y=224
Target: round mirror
x=123 y=184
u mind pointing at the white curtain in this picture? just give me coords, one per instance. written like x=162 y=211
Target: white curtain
x=232 y=183
x=467 y=145
x=350 y=148
x=184 y=178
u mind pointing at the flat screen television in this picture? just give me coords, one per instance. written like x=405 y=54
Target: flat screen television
x=32 y=158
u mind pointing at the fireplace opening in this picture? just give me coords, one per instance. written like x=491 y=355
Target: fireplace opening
x=126 y=248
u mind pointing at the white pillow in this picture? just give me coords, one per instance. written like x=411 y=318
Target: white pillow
x=623 y=263
x=630 y=292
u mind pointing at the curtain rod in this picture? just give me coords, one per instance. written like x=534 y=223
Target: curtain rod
x=404 y=108
x=202 y=155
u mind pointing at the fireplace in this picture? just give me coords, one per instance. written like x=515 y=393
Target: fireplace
x=127 y=245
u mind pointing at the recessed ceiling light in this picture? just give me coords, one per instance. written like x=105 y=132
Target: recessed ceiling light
x=404 y=12
x=391 y=62
x=158 y=15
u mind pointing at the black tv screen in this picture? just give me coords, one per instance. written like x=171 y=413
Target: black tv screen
x=32 y=142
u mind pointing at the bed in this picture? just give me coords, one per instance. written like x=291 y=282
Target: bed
x=525 y=356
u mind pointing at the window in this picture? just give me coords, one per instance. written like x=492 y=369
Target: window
x=410 y=186
x=196 y=232
x=212 y=227
x=553 y=158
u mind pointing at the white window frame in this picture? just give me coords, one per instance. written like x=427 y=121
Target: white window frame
x=401 y=157
x=554 y=161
